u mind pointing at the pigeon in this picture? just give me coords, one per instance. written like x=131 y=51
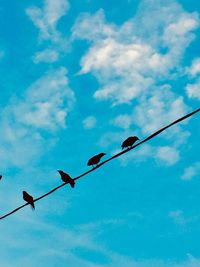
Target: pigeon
x=29 y=199
x=66 y=178
x=129 y=141
x=95 y=160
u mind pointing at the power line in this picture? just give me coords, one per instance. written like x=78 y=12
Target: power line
x=109 y=159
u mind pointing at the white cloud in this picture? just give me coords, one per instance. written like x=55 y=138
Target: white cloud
x=99 y=30
x=46 y=18
x=125 y=62
x=194 y=69
x=43 y=109
x=180 y=30
x=144 y=117
x=63 y=244
x=89 y=122
x=191 y=171
x=193 y=90
x=47 y=102
x=110 y=58
x=154 y=111
x=134 y=62
x=120 y=261
x=47 y=55
x=170 y=155
x=116 y=137
x=158 y=109
x=138 y=155
x=164 y=155
x=123 y=121
x=178 y=218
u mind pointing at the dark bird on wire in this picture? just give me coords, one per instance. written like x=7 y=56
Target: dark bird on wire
x=66 y=178
x=29 y=199
x=0 y=177
x=95 y=160
x=129 y=141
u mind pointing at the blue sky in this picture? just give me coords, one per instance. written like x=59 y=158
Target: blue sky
x=77 y=78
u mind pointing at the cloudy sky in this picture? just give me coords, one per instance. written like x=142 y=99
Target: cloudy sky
x=77 y=78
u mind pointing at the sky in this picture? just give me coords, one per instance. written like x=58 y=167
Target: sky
x=77 y=78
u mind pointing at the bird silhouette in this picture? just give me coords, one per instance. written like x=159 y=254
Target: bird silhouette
x=29 y=199
x=1 y=177
x=129 y=141
x=95 y=160
x=66 y=178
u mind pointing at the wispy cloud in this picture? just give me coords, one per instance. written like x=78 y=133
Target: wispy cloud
x=190 y=172
x=158 y=108
x=47 y=102
x=70 y=245
x=47 y=55
x=192 y=90
x=124 y=60
x=89 y=122
x=193 y=72
x=46 y=20
x=168 y=154
x=179 y=218
x=43 y=108
x=135 y=62
x=194 y=69
x=123 y=121
x=47 y=17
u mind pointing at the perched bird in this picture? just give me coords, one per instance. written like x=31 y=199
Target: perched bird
x=129 y=141
x=0 y=177
x=66 y=178
x=95 y=160
x=28 y=198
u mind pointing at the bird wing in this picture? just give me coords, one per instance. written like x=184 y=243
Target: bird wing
x=90 y=161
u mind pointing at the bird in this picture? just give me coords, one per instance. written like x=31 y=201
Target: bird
x=1 y=177
x=129 y=141
x=95 y=160
x=66 y=178
x=29 y=199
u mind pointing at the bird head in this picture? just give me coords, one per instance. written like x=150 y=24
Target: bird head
x=136 y=138
x=60 y=171
x=102 y=154
x=24 y=192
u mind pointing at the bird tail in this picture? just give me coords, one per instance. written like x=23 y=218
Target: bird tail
x=72 y=183
x=32 y=205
